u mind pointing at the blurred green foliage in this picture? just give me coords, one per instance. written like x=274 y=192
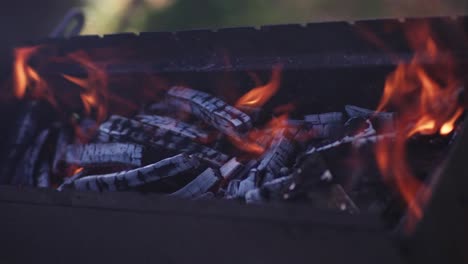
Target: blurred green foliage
x=156 y=15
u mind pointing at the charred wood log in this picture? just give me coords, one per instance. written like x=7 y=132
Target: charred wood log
x=230 y=169
x=276 y=157
x=64 y=138
x=24 y=174
x=126 y=180
x=238 y=188
x=339 y=199
x=104 y=154
x=34 y=118
x=42 y=177
x=271 y=190
x=210 y=109
x=68 y=182
x=324 y=118
x=200 y=185
x=380 y=119
x=175 y=127
x=121 y=129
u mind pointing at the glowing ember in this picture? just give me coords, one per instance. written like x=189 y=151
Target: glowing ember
x=251 y=144
x=424 y=106
x=260 y=95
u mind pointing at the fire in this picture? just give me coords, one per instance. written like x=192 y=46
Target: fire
x=27 y=80
x=77 y=170
x=257 y=140
x=29 y=83
x=260 y=95
x=425 y=99
x=94 y=94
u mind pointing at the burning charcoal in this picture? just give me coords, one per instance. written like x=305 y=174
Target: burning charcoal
x=380 y=118
x=43 y=175
x=269 y=191
x=103 y=154
x=339 y=199
x=230 y=168
x=24 y=174
x=210 y=109
x=200 y=185
x=125 y=180
x=36 y=116
x=276 y=157
x=121 y=129
x=178 y=128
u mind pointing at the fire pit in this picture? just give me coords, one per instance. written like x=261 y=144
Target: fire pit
x=331 y=133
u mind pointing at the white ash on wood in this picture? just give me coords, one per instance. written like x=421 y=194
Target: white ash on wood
x=277 y=156
x=126 y=180
x=104 y=154
x=176 y=127
x=121 y=129
x=227 y=119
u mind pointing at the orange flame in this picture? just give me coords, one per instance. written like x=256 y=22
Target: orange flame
x=426 y=103
x=26 y=79
x=94 y=95
x=258 y=140
x=260 y=95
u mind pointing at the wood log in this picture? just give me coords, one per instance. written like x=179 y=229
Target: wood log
x=230 y=169
x=324 y=118
x=64 y=138
x=126 y=180
x=173 y=126
x=379 y=119
x=68 y=182
x=238 y=188
x=24 y=174
x=271 y=190
x=227 y=119
x=42 y=178
x=276 y=157
x=34 y=118
x=200 y=185
x=121 y=129
x=105 y=154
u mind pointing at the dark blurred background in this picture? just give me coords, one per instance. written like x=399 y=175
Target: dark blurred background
x=31 y=19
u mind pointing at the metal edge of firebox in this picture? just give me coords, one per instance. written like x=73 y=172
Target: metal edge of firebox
x=80 y=227
x=322 y=45
x=442 y=234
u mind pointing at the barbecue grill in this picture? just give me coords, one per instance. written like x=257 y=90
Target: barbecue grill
x=325 y=66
